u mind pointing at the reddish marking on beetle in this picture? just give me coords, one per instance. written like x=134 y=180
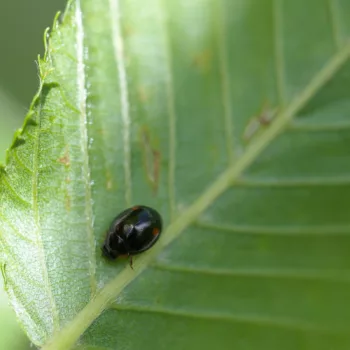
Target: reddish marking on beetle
x=155 y=231
x=135 y=207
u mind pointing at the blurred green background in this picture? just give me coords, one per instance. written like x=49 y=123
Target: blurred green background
x=22 y=24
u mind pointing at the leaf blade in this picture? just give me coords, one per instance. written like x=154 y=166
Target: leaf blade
x=92 y=138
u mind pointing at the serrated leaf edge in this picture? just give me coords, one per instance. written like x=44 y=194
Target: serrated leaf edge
x=30 y=120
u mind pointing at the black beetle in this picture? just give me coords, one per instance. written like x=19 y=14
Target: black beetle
x=132 y=232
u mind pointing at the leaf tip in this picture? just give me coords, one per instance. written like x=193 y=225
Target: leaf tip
x=46 y=39
x=56 y=20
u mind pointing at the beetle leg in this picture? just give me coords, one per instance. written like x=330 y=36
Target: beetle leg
x=130 y=261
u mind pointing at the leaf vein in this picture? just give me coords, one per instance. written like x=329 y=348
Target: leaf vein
x=225 y=82
x=334 y=22
x=118 y=45
x=20 y=162
x=260 y=320
x=14 y=193
x=309 y=127
x=170 y=99
x=85 y=146
x=282 y=273
x=277 y=230
x=293 y=182
x=16 y=231
x=279 y=55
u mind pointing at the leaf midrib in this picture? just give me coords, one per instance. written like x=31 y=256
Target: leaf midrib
x=68 y=336
x=249 y=318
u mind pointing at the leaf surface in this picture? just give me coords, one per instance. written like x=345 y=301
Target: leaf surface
x=229 y=117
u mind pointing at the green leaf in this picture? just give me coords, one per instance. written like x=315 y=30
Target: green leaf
x=229 y=117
